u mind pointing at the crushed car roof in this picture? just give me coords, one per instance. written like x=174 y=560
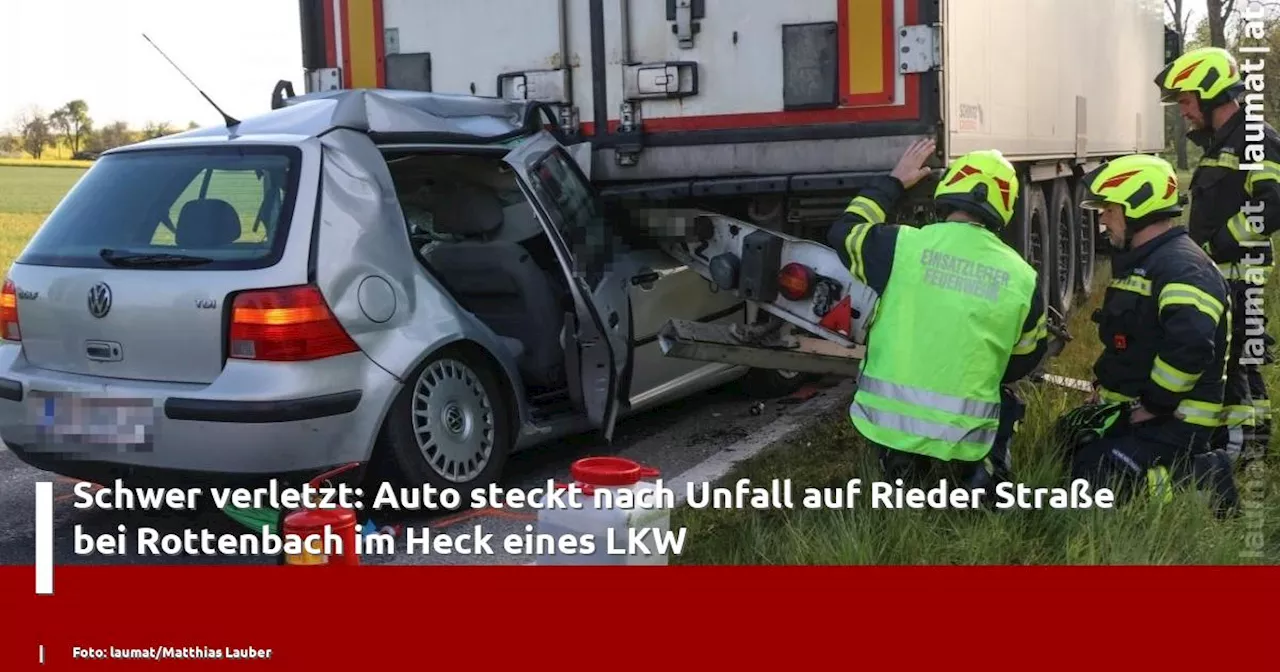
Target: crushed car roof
x=387 y=114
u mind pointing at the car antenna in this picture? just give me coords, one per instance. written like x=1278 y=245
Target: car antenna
x=230 y=120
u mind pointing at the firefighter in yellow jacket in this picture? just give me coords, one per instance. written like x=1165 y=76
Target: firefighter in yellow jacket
x=959 y=318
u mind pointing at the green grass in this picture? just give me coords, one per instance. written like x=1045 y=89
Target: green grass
x=45 y=163
x=832 y=453
x=30 y=190
x=27 y=195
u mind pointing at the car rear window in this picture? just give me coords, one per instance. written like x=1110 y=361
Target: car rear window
x=208 y=208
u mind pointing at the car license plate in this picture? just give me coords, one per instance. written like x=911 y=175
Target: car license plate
x=81 y=418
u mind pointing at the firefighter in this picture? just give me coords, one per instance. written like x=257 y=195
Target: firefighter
x=1165 y=326
x=1235 y=207
x=960 y=317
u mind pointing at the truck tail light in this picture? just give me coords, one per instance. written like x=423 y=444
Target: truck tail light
x=795 y=281
x=9 y=327
x=288 y=324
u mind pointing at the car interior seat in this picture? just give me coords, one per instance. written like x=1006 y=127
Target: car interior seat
x=207 y=223
x=499 y=282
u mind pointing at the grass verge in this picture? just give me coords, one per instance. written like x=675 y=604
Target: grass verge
x=832 y=453
x=44 y=163
x=27 y=196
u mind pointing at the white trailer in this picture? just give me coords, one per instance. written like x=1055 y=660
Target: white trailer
x=775 y=111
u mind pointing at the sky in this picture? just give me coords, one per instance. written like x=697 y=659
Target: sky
x=235 y=50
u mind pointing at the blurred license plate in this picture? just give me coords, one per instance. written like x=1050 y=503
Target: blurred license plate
x=112 y=420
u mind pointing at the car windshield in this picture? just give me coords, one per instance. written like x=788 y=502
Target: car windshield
x=207 y=208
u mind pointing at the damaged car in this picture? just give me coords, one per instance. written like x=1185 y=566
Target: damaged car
x=424 y=281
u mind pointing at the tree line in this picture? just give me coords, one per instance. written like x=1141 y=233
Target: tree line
x=35 y=132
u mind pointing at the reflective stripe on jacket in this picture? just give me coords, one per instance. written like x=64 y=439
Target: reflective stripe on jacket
x=1165 y=327
x=959 y=314
x=1235 y=195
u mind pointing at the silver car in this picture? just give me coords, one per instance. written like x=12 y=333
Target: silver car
x=420 y=280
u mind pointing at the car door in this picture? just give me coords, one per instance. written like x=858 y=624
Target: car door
x=599 y=334
x=668 y=289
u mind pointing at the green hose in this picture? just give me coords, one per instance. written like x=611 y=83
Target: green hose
x=254 y=519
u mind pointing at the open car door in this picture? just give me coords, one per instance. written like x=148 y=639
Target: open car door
x=598 y=335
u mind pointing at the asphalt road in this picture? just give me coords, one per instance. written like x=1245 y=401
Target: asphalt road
x=671 y=439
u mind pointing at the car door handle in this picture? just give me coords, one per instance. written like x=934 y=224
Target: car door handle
x=646 y=279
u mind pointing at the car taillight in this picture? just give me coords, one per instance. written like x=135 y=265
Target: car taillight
x=9 y=328
x=795 y=281
x=289 y=324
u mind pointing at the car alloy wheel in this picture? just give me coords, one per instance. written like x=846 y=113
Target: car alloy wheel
x=453 y=420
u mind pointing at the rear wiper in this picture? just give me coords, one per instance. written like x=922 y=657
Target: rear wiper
x=155 y=260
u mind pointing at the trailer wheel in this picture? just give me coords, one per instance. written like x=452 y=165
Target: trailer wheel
x=1063 y=246
x=1086 y=242
x=1029 y=232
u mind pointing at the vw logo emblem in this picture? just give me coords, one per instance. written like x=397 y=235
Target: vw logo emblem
x=99 y=300
x=454 y=420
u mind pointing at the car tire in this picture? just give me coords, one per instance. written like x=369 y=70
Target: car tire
x=450 y=426
x=771 y=384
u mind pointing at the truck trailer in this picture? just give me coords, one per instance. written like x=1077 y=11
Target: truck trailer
x=776 y=112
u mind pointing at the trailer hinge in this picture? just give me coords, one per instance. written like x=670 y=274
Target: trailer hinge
x=684 y=14
x=627 y=152
x=569 y=120
x=919 y=48
x=323 y=79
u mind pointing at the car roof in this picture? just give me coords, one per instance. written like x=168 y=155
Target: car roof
x=387 y=115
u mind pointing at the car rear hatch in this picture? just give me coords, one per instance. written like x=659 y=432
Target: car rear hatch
x=131 y=275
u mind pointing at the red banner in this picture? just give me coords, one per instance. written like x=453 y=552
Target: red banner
x=423 y=618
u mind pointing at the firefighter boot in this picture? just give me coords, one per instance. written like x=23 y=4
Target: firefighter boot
x=895 y=464
x=1213 y=472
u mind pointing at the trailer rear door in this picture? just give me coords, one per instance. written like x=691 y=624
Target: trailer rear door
x=701 y=88
x=667 y=89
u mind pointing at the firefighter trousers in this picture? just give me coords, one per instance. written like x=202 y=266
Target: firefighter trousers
x=1246 y=434
x=1103 y=447
x=923 y=471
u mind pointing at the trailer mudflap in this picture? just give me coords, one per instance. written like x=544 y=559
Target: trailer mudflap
x=684 y=339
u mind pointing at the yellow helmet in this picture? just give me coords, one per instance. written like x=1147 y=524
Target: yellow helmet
x=983 y=184
x=1211 y=73
x=1146 y=186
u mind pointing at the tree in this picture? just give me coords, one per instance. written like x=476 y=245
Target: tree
x=60 y=123
x=10 y=144
x=1181 y=19
x=33 y=128
x=112 y=135
x=156 y=129
x=1219 y=13
x=72 y=120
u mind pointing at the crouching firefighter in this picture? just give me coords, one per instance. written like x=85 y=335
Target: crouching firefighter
x=1165 y=325
x=960 y=317
x=1235 y=209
